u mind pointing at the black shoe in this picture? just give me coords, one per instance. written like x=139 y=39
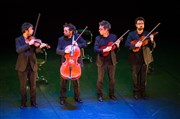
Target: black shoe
x=136 y=96
x=34 y=105
x=78 y=100
x=100 y=99
x=23 y=106
x=143 y=96
x=113 y=97
x=62 y=101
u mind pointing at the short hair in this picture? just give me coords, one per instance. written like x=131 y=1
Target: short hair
x=25 y=26
x=139 y=18
x=70 y=26
x=105 y=24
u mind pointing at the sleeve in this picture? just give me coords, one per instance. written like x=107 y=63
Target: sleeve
x=97 y=48
x=21 y=47
x=81 y=42
x=152 y=45
x=60 y=50
x=128 y=43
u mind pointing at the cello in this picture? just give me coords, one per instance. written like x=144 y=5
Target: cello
x=143 y=39
x=71 y=69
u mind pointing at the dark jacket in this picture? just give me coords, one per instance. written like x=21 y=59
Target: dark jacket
x=145 y=52
x=25 y=53
x=63 y=43
x=101 y=42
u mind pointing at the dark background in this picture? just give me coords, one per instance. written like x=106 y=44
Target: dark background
x=120 y=14
x=163 y=84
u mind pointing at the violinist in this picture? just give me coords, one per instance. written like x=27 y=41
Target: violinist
x=69 y=38
x=140 y=59
x=26 y=64
x=106 y=63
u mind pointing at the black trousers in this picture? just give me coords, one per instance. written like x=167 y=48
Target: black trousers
x=24 y=77
x=110 y=69
x=63 y=88
x=139 y=77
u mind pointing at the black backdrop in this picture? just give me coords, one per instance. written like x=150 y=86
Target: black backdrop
x=89 y=13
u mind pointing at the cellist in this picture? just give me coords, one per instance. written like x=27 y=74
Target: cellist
x=69 y=38
x=140 y=59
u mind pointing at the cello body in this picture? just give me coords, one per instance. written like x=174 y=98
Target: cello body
x=71 y=69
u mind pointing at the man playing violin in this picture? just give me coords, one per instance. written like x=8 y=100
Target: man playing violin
x=106 y=62
x=26 y=64
x=63 y=49
x=140 y=56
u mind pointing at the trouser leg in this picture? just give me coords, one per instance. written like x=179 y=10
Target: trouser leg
x=23 y=82
x=111 y=74
x=101 y=71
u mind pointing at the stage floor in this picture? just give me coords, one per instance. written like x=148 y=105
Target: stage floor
x=163 y=90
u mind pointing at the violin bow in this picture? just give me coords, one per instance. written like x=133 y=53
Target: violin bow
x=151 y=31
x=36 y=24
x=120 y=38
x=81 y=33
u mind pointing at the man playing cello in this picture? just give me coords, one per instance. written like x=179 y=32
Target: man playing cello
x=67 y=39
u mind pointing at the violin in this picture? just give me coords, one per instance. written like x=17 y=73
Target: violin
x=111 y=44
x=144 y=41
x=37 y=42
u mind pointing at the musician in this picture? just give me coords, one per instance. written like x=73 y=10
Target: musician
x=69 y=38
x=26 y=64
x=106 y=63
x=140 y=59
